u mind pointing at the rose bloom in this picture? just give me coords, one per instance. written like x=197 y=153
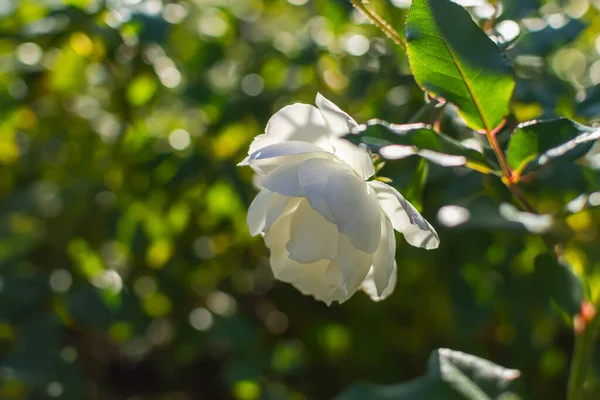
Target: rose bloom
x=329 y=230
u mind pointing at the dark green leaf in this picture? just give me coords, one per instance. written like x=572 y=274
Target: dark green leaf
x=589 y=107
x=543 y=89
x=416 y=184
x=534 y=144
x=451 y=375
x=452 y=59
x=398 y=141
x=482 y=214
x=38 y=359
x=559 y=283
x=517 y=9
x=546 y=40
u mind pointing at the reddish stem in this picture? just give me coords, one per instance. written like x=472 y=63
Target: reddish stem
x=506 y=171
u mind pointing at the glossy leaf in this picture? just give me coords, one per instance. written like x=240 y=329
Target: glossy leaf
x=451 y=375
x=399 y=141
x=558 y=282
x=452 y=59
x=535 y=144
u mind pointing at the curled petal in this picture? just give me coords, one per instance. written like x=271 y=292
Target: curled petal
x=405 y=218
x=257 y=212
x=266 y=207
x=278 y=206
x=384 y=257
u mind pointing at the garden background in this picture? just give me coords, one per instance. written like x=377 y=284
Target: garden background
x=126 y=267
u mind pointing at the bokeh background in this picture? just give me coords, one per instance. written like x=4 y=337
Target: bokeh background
x=126 y=268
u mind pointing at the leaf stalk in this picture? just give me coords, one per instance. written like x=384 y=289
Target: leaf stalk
x=383 y=25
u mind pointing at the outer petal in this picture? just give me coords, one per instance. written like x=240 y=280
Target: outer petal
x=278 y=205
x=405 y=218
x=312 y=237
x=384 y=257
x=369 y=287
x=257 y=212
x=338 y=121
x=297 y=122
x=355 y=209
x=265 y=159
x=266 y=208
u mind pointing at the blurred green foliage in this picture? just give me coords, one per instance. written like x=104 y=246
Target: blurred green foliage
x=126 y=268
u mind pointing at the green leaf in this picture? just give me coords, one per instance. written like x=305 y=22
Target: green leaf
x=452 y=375
x=452 y=59
x=415 y=187
x=558 y=282
x=544 y=41
x=534 y=144
x=589 y=107
x=398 y=141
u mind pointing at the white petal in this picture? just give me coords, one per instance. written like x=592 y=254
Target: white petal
x=277 y=206
x=357 y=157
x=327 y=297
x=355 y=264
x=313 y=176
x=369 y=287
x=334 y=275
x=322 y=279
x=282 y=149
x=284 y=180
x=301 y=122
x=261 y=141
x=340 y=124
x=405 y=218
x=266 y=159
x=308 y=278
x=312 y=237
x=257 y=212
x=355 y=209
x=384 y=256
x=338 y=121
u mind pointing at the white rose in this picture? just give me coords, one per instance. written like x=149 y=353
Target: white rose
x=330 y=232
